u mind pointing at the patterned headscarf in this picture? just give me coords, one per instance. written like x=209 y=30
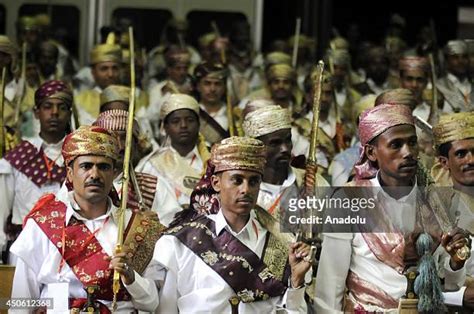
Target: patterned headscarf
x=397 y=96
x=374 y=122
x=53 y=89
x=116 y=120
x=233 y=153
x=90 y=140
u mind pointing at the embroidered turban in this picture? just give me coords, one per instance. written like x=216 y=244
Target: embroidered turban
x=339 y=43
x=207 y=39
x=374 y=122
x=414 y=63
x=238 y=153
x=454 y=127
x=90 y=140
x=178 y=101
x=281 y=71
x=266 y=120
x=397 y=96
x=27 y=23
x=116 y=120
x=455 y=47
x=115 y=93
x=176 y=55
x=53 y=89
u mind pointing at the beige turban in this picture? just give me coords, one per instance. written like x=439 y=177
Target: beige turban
x=455 y=47
x=206 y=39
x=339 y=43
x=27 y=23
x=339 y=56
x=397 y=96
x=177 y=102
x=115 y=93
x=281 y=71
x=106 y=52
x=266 y=120
x=277 y=57
x=238 y=153
x=454 y=127
x=90 y=140
x=363 y=104
x=8 y=47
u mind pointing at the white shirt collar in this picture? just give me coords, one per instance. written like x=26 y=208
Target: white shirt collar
x=252 y=229
x=220 y=112
x=289 y=181
x=39 y=143
x=409 y=198
x=455 y=80
x=73 y=209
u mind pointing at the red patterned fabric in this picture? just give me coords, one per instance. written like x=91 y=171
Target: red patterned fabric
x=30 y=161
x=86 y=259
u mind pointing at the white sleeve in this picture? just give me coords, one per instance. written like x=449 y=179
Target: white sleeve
x=332 y=273
x=144 y=290
x=454 y=298
x=25 y=284
x=165 y=254
x=7 y=194
x=293 y=301
x=165 y=202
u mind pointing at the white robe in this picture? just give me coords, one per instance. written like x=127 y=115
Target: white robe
x=18 y=194
x=38 y=262
x=191 y=286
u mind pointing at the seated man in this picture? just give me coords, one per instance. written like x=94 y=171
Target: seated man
x=69 y=239
x=368 y=270
x=221 y=251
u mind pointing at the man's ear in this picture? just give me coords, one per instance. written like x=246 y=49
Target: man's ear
x=444 y=162
x=371 y=152
x=69 y=172
x=216 y=182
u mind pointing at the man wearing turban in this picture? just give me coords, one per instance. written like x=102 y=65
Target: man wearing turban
x=272 y=125
x=35 y=166
x=281 y=87
x=210 y=79
x=147 y=192
x=454 y=142
x=387 y=173
x=68 y=241
x=175 y=78
x=343 y=79
x=456 y=87
x=225 y=239
x=183 y=157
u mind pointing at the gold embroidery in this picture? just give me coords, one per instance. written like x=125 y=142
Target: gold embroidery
x=275 y=257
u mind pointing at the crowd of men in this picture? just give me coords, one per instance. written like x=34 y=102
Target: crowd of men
x=221 y=144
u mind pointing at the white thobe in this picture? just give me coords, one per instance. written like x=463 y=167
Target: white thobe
x=220 y=115
x=38 y=262
x=164 y=204
x=192 y=158
x=464 y=87
x=344 y=252
x=18 y=194
x=191 y=286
